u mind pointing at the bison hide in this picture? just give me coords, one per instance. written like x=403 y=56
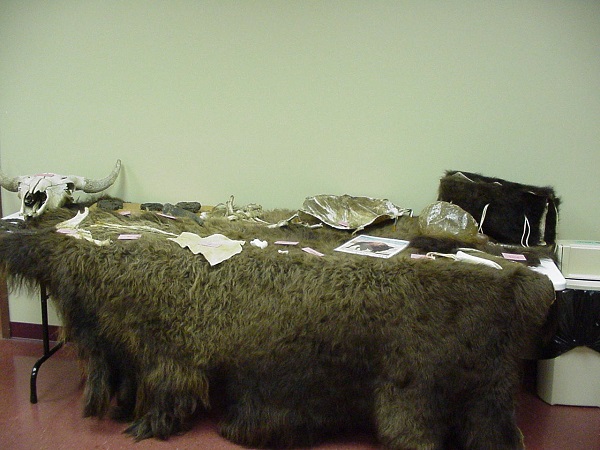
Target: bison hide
x=293 y=347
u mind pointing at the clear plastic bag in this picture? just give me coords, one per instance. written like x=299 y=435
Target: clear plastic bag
x=443 y=219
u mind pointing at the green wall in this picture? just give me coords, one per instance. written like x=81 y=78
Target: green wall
x=274 y=101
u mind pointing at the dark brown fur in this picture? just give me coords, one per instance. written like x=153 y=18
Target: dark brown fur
x=508 y=204
x=421 y=352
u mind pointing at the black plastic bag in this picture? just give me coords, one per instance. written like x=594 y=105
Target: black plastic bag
x=576 y=318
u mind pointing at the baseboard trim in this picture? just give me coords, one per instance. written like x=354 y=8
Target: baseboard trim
x=32 y=331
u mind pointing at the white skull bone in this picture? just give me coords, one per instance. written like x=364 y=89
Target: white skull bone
x=44 y=191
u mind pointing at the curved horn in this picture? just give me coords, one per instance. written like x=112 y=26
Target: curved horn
x=10 y=184
x=93 y=186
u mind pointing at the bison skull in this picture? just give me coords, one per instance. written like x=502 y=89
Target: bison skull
x=49 y=190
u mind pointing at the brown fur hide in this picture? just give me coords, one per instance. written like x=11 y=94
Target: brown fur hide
x=515 y=213
x=293 y=347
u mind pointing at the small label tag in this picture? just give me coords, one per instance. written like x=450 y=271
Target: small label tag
x=312 y=251
x=211 y=244
x=66 y=231
x=129 y=237
x=166 y=215
x=286 y=243
x=125 y=213
x=514 y=256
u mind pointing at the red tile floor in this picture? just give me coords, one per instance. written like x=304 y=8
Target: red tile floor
x=55 y=422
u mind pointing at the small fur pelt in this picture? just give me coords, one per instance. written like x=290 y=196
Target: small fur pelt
x=292 y=347
x=427 y=244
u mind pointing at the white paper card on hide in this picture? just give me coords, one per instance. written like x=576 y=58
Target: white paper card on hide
x=215 y=248
x=373 y=246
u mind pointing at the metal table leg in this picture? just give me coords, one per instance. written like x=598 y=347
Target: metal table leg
x=48 y=352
